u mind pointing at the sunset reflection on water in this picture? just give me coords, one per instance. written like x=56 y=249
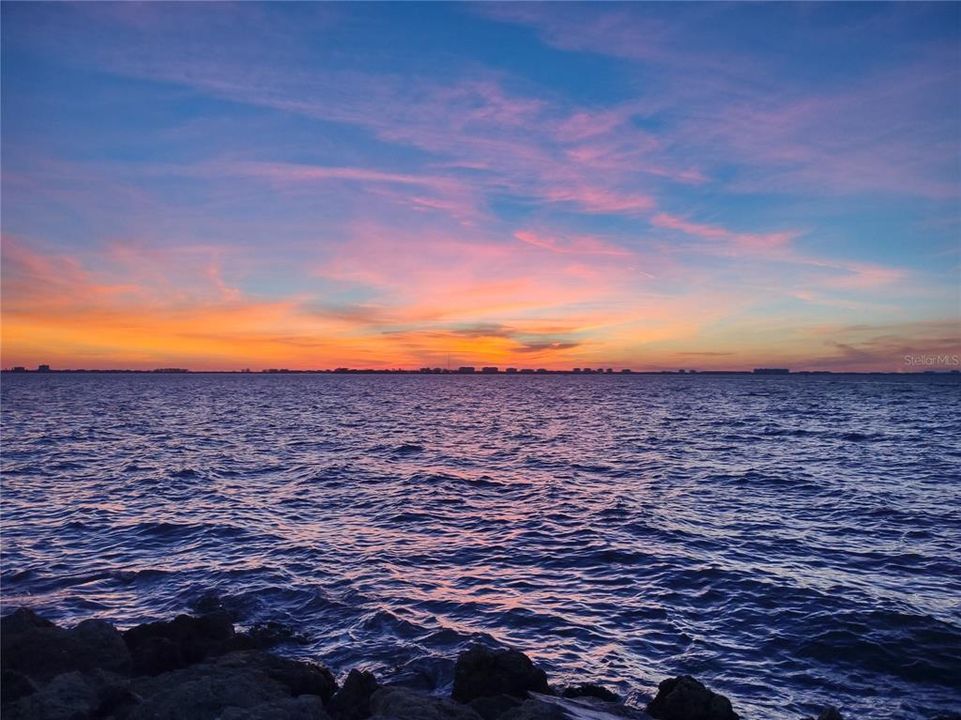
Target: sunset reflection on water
x=743 y=529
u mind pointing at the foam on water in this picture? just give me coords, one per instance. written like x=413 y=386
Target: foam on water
x=791 y=541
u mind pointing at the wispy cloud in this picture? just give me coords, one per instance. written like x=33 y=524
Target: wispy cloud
x=644 y=184
x=736 y=240
x=579 y=245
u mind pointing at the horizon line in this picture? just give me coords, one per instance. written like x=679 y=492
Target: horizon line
x=484 y=370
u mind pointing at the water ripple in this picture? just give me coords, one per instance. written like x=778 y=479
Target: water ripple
x=792 y=541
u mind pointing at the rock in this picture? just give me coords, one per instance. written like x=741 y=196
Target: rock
x=584 y=707
x=66 y=697
x=97 y=694
x=590 y=690
x=830 y=713
x=210 y=601
x=403 y=704
x=203 y=692
x=426 y=674
x=265 y=635
x=492 y=707
x=534 y=710
x=39 y=649
x=684 y=698
x=301 y=677
x=15 y=685
x=480 y=672
x=161 y=646
x=305 y=707
x=22 y=619
x=155 y=655
x=104 y=642
x=116 y=701
x=352 y=701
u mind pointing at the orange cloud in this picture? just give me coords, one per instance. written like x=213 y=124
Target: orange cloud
x=415 y=298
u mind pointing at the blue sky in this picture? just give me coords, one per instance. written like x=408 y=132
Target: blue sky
x=644 y=185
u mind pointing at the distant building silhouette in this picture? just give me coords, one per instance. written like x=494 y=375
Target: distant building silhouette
x=490 y=370
x=771 y=371
x=43 y=368
x=19 y=368
x=511 y=370
x=466 y=369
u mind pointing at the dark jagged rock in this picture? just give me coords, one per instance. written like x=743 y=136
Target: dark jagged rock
x=586 y=706
x=480 y=672
x=305 y=707
x=265 y=635
x=22 y=619
x=40 y=650
x=492 y=707
x=69 y=696
x=300 y=677
x=352 y=701
x=190 y=668
x=104 y=645
x=204 y=691
x=115 y=701
x=403 y=704
x=534 y=710
x=15 y=685
x=213 y=602
x=830 y=713
x=161 y=646
x=426 y=674
x=590 y=690
x=684 y=698
x=155 y=655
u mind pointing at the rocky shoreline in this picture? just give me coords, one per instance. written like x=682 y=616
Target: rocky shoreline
x=202 y=668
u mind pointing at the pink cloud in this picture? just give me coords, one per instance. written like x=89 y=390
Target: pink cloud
x=289 y=172
x=578 y=245
x=737 y=240
x=599 y=200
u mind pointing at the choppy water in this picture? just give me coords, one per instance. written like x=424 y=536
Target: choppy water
x=791 y=541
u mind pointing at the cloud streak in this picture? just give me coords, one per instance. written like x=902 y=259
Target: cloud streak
x=643 y=185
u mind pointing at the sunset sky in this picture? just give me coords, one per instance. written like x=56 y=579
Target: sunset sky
x=687 y=185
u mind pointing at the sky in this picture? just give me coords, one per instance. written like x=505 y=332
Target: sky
x=652 y=186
